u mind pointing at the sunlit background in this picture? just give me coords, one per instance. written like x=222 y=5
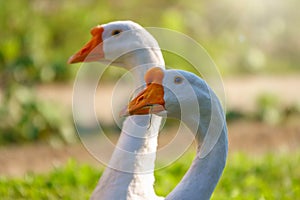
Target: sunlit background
x=255 y=44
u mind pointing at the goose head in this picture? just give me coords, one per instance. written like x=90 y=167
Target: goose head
x=118 y=43
x=175 y=93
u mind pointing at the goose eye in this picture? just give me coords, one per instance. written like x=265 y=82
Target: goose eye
x=178 y=80
x=116 y=32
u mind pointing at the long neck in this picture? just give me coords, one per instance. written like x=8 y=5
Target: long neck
x=139 y=61
x=130 y=171
x=207 y=167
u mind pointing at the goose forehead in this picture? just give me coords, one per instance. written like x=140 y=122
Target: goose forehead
x=116 y=26
x=189 y=84
x=124 y=25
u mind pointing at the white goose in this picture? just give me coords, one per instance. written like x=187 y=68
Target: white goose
x=185 y=96
x=130 y=175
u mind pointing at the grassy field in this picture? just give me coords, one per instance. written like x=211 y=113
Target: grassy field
x=270 y=176
x=248 y=40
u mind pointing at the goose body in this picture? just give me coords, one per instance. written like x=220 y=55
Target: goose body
x=129 y=174
x=185 y=96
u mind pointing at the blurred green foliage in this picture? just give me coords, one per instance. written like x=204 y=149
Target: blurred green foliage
x=24 y=118
x=69 y=182
x=269 y=109
x=37 y=38
x=270 y=176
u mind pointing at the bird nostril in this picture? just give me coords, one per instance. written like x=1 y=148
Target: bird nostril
x=140 y=99
x=84 y=50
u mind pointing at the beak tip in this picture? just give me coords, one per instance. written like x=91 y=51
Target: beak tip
x=72 y=60
x=124 y=112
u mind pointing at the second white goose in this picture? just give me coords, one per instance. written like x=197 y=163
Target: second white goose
x=185 y=96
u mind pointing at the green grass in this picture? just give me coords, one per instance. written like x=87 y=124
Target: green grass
x=245 y=177
x=267 y=177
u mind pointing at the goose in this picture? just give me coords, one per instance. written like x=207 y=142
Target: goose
x=183 y=95
x=130 y=172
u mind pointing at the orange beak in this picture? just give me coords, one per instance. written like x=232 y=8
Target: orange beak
x=93 y=50
x=151 y=99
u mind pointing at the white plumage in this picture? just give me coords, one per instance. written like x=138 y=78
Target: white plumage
x=127 y=44
x=187 y=97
